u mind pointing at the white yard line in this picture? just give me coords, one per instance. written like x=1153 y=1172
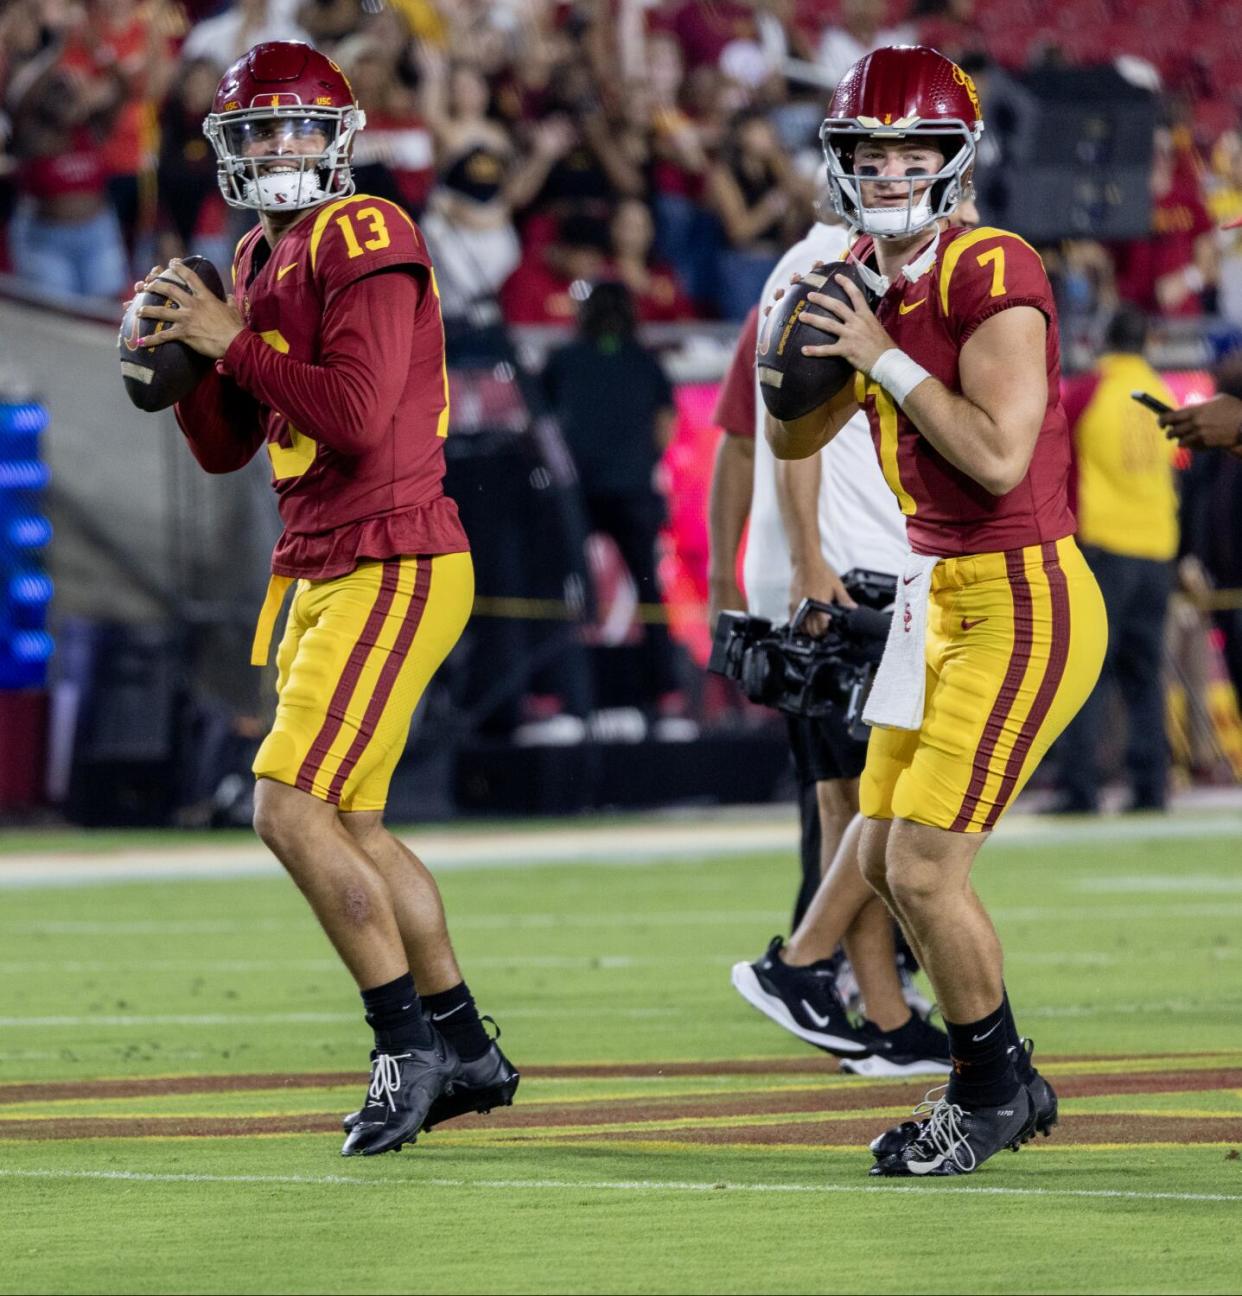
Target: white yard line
x=643 y=842
x=617 y=1185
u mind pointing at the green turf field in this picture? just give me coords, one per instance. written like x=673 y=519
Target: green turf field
x=175 y=1054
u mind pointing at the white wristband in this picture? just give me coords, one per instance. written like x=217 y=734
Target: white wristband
x=898 y=374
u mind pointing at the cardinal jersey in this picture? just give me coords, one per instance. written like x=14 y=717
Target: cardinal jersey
x=355 y=427
x=975 y=274
x=340 y=374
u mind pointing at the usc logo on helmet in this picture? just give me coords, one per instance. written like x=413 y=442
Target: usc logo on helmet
x=967 y=82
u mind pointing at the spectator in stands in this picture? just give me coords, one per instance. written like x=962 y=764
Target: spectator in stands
x=65 y=235
x=655 y=288
x=760 y=202
x=607 y=156
x=1167 y=272
x=227 y=36
x=556 y=275
x=133 y=40
x=394 y=157
x=475 y=150
x=615 y=408
x=1225 y=206
x=715 y=32
x=685 y=129
x=328 y=22
x=860 y=30
x=1128 y=530
x=192 y=214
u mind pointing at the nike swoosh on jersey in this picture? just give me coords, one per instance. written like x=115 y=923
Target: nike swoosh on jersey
x=903 y=309
x=284 y=270
x=970 y=625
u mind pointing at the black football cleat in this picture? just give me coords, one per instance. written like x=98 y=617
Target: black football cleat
x=1043 y=1099
x=478 y=1086
x=1043 y=1095
x=804 y=1000
x=402 y=1090
x=956 y=1140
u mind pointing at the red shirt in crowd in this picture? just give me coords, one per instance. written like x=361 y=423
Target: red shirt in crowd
x=1178 y=218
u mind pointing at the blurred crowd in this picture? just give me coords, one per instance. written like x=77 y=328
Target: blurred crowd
x=543 y=144
x=609 y=163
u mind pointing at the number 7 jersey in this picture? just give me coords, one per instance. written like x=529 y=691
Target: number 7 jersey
x=350 y=487
x=975 y=274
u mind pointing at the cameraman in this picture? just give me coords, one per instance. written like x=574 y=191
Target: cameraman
x=809 y=521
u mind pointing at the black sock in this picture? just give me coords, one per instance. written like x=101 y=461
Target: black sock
x=983 y=1067
x=453 y=1014
x=1021 y=1058
x=396 y=1016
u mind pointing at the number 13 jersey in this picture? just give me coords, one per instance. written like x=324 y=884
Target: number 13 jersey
x=359 y=473
x=975 y=274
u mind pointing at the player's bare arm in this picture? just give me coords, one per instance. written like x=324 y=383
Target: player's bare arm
x=199 y=319
x=728 y=508
x=797 y=494
x=800 y=438
x=989 y=430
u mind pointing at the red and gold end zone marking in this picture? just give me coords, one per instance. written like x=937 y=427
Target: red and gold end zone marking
x=832 y=1115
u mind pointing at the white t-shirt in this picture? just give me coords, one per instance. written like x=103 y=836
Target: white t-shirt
x=860 y=524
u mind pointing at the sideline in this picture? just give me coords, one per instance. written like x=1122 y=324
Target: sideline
x=645 y=841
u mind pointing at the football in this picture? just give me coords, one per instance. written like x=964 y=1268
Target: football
x=157 y=377
x=793 y=384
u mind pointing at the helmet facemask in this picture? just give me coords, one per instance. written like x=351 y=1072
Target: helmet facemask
x=930 y=196
x=261 y=164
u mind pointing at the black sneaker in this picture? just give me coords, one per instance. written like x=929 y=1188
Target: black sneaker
x=956 y=1140
x=402 y=1090
x=917 y=1048
x=803 y=1000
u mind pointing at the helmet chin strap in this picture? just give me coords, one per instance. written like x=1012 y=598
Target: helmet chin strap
x=913 y=271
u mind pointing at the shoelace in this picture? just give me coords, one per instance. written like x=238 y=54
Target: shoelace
x=385 y=1079
x=942 y=1131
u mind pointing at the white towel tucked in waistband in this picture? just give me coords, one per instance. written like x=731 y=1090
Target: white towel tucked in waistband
x=896 y=700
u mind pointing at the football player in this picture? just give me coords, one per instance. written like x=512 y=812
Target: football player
x=999 y=630
x=330 y=354
x=810 y=521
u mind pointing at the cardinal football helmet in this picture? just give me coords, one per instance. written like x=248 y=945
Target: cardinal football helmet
x=902 y=93
x=268 y=107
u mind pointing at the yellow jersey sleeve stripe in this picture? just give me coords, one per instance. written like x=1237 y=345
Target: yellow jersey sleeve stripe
x=321 y=224
x=964 y=244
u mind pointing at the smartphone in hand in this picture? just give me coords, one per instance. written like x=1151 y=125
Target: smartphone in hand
x=1156 y=406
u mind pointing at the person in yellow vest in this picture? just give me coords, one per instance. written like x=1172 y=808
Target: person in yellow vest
x=1128 y=531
